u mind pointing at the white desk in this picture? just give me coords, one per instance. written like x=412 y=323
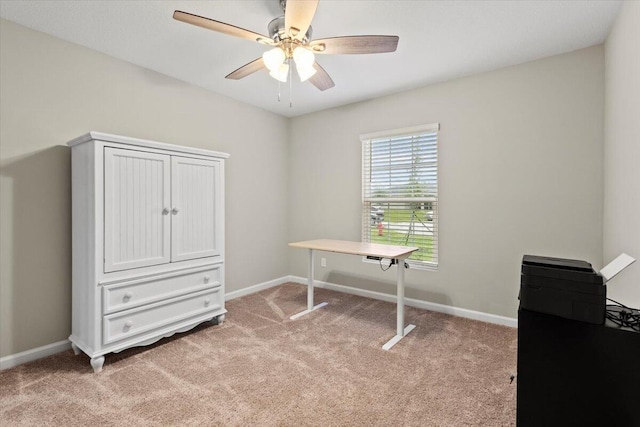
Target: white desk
x=399 y=253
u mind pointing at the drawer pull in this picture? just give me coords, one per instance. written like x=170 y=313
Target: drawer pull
x=128 y=324
x=207 y=302
x=206 y=279
x=127 y=296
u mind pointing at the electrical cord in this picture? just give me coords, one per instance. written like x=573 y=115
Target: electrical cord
x=391 y=262
x=623 y=316
x=385 y=269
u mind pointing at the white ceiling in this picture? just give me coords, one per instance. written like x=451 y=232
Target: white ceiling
x=439 y=40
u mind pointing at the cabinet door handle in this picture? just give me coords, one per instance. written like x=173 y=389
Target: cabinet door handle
x=165 y=211
x=207 y=302
x=206 y=279
x=174 y=211
x=128 y=324
x=128 y=296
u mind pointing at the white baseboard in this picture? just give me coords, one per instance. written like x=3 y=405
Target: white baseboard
x=425 y=305
x=33 y=354
x=256 y=288
x=57 y=347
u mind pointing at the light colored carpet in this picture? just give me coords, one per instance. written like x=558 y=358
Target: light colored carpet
x=262 y=369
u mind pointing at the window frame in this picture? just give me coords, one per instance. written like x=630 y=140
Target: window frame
x=366 y=228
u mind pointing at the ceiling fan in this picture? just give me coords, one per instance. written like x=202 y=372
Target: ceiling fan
x=290 y=36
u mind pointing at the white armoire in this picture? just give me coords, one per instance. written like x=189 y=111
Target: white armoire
x=147 y=242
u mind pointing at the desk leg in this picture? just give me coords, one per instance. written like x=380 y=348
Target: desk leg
x=401 y=331
x=310 y=306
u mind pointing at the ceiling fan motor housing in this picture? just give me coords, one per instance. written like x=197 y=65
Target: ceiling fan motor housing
x=277 y=31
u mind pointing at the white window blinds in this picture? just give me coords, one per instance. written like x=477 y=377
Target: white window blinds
x=400 y=191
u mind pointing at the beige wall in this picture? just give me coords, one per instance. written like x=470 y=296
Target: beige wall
x=520 y=160
x=520 y=173
x=52 y=91
x=622 y=151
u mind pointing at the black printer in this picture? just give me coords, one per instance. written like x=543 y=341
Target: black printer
x=563 y=287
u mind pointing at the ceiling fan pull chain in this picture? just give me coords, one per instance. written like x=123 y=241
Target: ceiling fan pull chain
x=290 y=84
x=279 y=90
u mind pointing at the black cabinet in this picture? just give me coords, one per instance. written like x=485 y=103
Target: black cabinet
x=573 y=373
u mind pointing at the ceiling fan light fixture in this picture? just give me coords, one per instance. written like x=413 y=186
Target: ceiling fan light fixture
x=303 y=57
x=273 y=59
x=305 y=72
x=280 y=73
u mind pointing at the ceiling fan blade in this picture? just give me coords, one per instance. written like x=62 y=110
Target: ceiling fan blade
x=321 y=79
x=355 y=44
x=247 y=69
x=221 y=27
x=298 y=15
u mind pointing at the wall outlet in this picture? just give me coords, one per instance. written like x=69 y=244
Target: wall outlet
x=323 y=262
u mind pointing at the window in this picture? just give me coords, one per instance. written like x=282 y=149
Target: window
x=400 y=191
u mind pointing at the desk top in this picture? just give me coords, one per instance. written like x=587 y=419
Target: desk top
x=357 y=248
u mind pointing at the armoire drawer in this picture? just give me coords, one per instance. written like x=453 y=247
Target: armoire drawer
x=143 y=319
x=135 y=293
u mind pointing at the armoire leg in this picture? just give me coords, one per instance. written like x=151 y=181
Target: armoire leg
x=96 y=363
x=75 y=348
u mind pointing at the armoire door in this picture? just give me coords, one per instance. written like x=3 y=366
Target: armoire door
x=137 y=206
x=193 y=215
